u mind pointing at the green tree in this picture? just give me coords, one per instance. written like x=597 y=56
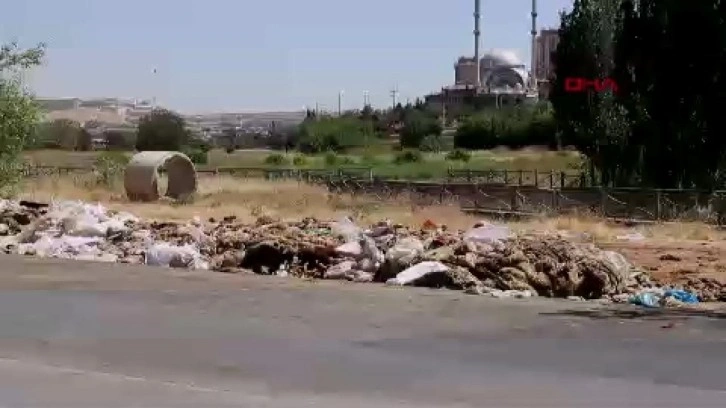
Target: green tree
x=417 y=126
x=513 y=127
x=19 y=114
x=116 y=140
x=339 y=133
x=162 y=130
x=64 y=133
x=664 y=127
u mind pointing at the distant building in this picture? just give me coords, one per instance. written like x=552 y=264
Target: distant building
x=465 y=71
x=503 y=81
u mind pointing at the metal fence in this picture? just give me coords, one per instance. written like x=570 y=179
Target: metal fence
x=620 y=203
x=502 y=192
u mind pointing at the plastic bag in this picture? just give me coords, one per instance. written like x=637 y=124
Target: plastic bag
x=165 y=254
x=346 y=229
x=646 y=299
x=414 y=273
x=681 y=296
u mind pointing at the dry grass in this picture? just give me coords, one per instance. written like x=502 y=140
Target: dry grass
x=245 y=198
x=250 y=198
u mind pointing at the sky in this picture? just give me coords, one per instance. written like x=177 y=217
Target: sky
x=254 y=55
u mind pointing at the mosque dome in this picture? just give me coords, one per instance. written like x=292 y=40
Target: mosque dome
x=502 y=69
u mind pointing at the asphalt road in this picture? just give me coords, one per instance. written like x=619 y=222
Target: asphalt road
x=97 y=335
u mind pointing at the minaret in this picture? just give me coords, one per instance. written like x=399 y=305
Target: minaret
x=532 y=75
x=477 y=33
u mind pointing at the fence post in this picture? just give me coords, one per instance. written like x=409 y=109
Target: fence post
x=563 y=179
x=468 y=175
x=536 y=178
x=506 y=177
x=514 y=202
x=658 y=205
x=521 y=177
x=552 y=179
x=603 y=201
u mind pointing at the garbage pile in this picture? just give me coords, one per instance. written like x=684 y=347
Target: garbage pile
x=487 y=259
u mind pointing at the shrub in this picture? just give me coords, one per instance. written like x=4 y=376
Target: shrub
x=197 y=156
x=108 y=166
x=458 y=155
x=432 y=143
x=331 y=159
x=300 y=160
x=276 y=159
x=408 y=156
x=416 y=127
x=513 y=127
x=120 y=140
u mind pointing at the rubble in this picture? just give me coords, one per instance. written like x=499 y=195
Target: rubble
x=485 y=260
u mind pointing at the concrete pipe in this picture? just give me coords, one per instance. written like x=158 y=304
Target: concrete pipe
x=141 y=178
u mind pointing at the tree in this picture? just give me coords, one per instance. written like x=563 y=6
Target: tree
x=115 y=140
x=334 y=133
x=161 y=130
x=63 y=133
x=416 y=127
x=19 y=114
x=664 y=127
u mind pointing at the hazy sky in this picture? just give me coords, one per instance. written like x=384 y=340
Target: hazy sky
x=260 y=55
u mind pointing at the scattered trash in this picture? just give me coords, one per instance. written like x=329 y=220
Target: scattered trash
x=681 y=296
x=654 y=298
x=646 y=299
x=632 y=237
x=175 y=256
x=488 y=259
x=488 y=233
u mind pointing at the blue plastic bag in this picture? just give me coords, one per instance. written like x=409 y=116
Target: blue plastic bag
x=681 y=296
x=646 y=299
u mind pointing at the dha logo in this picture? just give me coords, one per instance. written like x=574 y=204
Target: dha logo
x=579 y=85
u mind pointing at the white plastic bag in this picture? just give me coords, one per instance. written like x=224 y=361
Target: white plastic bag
x=165 y=254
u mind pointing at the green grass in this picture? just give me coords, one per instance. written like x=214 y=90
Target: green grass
x=380 y=159
x=434 y=165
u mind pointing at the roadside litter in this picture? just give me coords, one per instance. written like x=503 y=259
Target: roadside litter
x=488 y=259
x=653 y=298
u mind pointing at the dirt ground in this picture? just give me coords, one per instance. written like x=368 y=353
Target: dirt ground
x=676 y=262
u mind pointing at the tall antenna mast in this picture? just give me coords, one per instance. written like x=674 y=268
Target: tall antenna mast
x=533 y=63
x=477 y=33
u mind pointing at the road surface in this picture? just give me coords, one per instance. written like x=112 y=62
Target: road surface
x=97 y=335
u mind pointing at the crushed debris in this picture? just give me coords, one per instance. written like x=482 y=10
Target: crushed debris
x=486 y=260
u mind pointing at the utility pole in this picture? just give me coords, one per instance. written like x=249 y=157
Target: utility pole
x=153 y=97
x=477 y=43
x=366 y=99
x=533 y=45
x=443 y=107
x=340 y=103
x=394 y=96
